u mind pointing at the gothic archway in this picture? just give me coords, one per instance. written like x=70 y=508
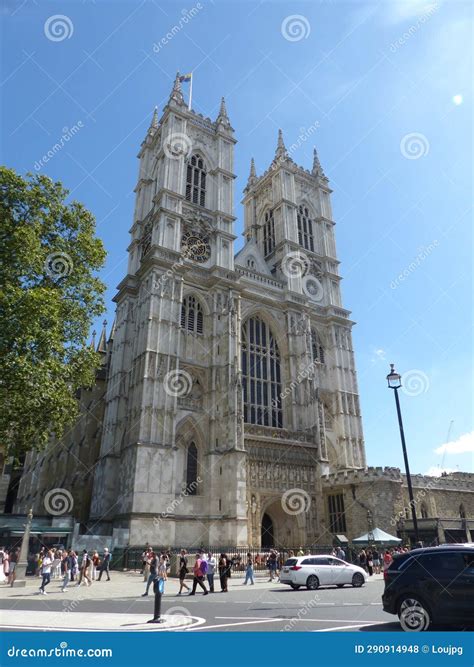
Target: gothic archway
x=267 y=539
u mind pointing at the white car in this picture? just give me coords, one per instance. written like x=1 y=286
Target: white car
x=316 y=571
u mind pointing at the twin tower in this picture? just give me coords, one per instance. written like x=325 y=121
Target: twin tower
x=232 y=384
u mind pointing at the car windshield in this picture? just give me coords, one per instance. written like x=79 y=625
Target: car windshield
x=291 y=561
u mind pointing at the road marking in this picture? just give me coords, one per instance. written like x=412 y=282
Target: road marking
x=232 y=625
x=352 y=604
x=344 y=627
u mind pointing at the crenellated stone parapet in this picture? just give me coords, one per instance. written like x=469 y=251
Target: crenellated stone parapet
x=361 y=475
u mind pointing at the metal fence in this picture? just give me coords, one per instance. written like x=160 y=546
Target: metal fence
x=131 y=558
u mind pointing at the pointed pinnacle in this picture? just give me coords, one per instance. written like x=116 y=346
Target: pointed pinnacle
x=253 y=173
x=281 y=148
x=154 y=120
x=317 y=169
x=177 y=93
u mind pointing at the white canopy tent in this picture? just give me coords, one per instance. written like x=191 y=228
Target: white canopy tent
x=379 y=536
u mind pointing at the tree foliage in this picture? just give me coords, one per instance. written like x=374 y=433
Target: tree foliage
x=49 y=295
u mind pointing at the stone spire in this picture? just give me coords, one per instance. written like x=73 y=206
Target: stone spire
x=253 y=173
x=154 y=121
x=112 y=331
x=281 y=151
x=317 y=169
x=222 y=116
x=92 y=345
x=102 y=346
x=177 y=94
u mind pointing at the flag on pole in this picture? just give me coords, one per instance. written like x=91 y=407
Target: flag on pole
x=188 y=78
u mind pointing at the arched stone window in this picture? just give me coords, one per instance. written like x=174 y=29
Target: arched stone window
x=424 y=511
x=268 y=233
x=196 y=181
x=317 y=349
x=191 y=315
x=191 y=469
x=261 y=375
x=462 y=511
x=305 y=228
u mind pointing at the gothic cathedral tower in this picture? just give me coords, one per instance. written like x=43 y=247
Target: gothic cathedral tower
x=232 y=384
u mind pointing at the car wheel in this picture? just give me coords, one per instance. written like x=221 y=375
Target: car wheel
x=414 y=615
x=295 y=586
x=357 y=580
x=340 y=585
x=312 y=582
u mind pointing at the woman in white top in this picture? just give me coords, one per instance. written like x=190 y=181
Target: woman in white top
x=46 y=572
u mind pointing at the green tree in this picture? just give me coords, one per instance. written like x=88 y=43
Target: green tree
x=49 y=295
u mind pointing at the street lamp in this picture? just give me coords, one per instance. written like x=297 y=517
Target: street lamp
x=370 y=527
x=394 y=380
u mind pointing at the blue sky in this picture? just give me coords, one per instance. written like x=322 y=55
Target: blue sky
x=388 y=85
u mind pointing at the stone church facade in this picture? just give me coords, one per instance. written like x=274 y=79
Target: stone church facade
x=230 y=407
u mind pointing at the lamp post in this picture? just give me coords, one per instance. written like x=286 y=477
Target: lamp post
x=394 y=380
x=23 y=557
x=370 y=528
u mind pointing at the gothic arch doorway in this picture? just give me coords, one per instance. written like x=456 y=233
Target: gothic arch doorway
x=267 y=532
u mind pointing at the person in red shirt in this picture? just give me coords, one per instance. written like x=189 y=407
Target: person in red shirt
x=198 y=575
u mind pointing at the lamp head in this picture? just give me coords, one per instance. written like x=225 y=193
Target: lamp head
x=394 y=379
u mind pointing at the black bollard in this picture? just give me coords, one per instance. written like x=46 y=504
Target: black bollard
x=158 y=587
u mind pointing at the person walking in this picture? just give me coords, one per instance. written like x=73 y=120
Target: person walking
x=370 y=563
x=223 y=566
x=211 y=569
x=273 y=565
x=183 y=571
x=363 y=560
x=198 y=573
x=13 y=558
x=95 y=565
x=84 y=571
x=249 y=570
x=105 y=564
x=153 y=562
x=68 y=567
x=376 y=559
x=2 y=569
x=46 y=571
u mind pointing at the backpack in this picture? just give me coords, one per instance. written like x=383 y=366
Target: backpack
x=203 y=566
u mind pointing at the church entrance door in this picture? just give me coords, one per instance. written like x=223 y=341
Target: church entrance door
x=267 y=532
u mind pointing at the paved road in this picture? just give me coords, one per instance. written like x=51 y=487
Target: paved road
x=264 y=607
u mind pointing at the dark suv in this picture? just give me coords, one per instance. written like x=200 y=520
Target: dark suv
x=433 y=585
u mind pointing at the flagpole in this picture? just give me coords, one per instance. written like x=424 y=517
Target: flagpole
x=190 y=92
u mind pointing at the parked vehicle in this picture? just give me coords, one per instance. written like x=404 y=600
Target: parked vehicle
x=432 y=585
x=316 y=571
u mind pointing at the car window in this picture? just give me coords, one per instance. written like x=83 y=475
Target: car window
x=469 y=559
x=291 y=561
x=321 y=561
x=308 y=561
x=335 y=561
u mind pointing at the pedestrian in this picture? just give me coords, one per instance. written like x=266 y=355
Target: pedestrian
x=6 y=565
x=340 y=553
x=387 y=559
x=105 y=564
x=273 y=565
x=300 y=552
x=249 y=570
x=153 y=562
x=211 y=569
x=223 y=568
x=198 y=573
x=95 y=565
x=46 y=571
x=376 y=559
x=363 y=559
x=370 y=563
x=183 y=571
x=68 y=567
x=84 y=571
x=13 y=558
x=146 y=563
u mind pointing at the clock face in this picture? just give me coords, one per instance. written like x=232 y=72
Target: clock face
x=195 y=246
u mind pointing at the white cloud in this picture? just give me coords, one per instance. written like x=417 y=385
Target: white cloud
x=463 y=445
x=378 y=354
x=436 y=471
